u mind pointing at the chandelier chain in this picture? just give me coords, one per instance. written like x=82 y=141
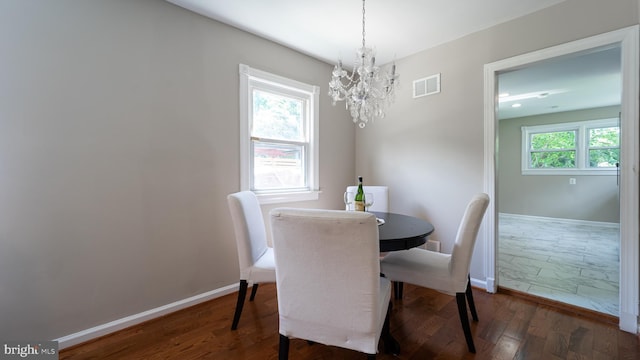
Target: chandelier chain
x=363 y=32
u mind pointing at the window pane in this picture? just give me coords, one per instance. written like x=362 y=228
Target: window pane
x=604 y=158
x=604 y=137
x=553 y=159
x=558 y=140
x=278 y=166
x=277 y=117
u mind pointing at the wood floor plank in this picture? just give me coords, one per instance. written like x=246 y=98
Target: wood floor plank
x=506 y=348
x=605 y=340
x=557 y=345
x=581 y=341
x=425 y=323
x=531 y=349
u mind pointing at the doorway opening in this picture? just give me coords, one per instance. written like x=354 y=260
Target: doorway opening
x=627 y=42
x=558 y=210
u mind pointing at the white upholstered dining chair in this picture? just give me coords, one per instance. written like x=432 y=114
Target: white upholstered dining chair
x=448 y=273
x=328 y=280
x=380 y=196
x=254 y=255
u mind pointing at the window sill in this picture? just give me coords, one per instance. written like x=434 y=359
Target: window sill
x=591 y=172
x=277 y=198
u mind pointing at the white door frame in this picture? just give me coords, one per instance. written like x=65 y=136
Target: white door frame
x=628 y=39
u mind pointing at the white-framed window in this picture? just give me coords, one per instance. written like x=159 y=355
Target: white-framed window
x=576 y=148
x=278 y=137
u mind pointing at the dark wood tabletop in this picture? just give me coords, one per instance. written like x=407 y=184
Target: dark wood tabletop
x=401 y=232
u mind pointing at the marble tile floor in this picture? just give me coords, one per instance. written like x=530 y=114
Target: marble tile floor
x=574 y=262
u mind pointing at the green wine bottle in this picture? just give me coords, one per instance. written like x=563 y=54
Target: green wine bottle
x=359 y=198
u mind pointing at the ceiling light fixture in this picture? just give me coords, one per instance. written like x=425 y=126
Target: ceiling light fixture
x=367 y=90
x=531 y=95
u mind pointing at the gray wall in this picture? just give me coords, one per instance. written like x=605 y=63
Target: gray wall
x=119 y=141
x=592 y=198
x=430 y=150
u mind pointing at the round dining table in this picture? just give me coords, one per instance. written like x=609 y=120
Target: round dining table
x=401 y=232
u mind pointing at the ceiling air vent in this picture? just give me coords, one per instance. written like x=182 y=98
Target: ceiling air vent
x=426 y=86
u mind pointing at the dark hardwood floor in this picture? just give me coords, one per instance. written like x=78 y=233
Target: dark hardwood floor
x=425 y=323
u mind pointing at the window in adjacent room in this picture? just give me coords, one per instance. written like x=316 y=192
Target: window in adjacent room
x=587 y=147
x=279 y=129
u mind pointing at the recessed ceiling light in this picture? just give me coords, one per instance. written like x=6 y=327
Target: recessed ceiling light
x=503 y=95
x=516 y=105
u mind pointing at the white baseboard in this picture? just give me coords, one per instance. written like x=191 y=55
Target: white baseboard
x=481 y=284
x=490 y=285
x=567 y=221
x=628 y=322
x=113 y=326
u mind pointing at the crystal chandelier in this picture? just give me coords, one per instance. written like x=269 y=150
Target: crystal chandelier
x=368 y=89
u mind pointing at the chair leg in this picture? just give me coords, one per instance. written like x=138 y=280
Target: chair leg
x=254 y=288
x=242 y=293
x=464 y=319
x=398 y=287
x=472 y=305
x=283 y=351
x=391 y=345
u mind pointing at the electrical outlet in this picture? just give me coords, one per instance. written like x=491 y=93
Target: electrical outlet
x=433 y=245
x=572 y=181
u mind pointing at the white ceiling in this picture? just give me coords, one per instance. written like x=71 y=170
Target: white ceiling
x=572 y=82
x=332 y=29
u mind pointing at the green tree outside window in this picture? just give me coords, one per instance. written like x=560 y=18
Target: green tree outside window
x=604 y=147
x=553 y=150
